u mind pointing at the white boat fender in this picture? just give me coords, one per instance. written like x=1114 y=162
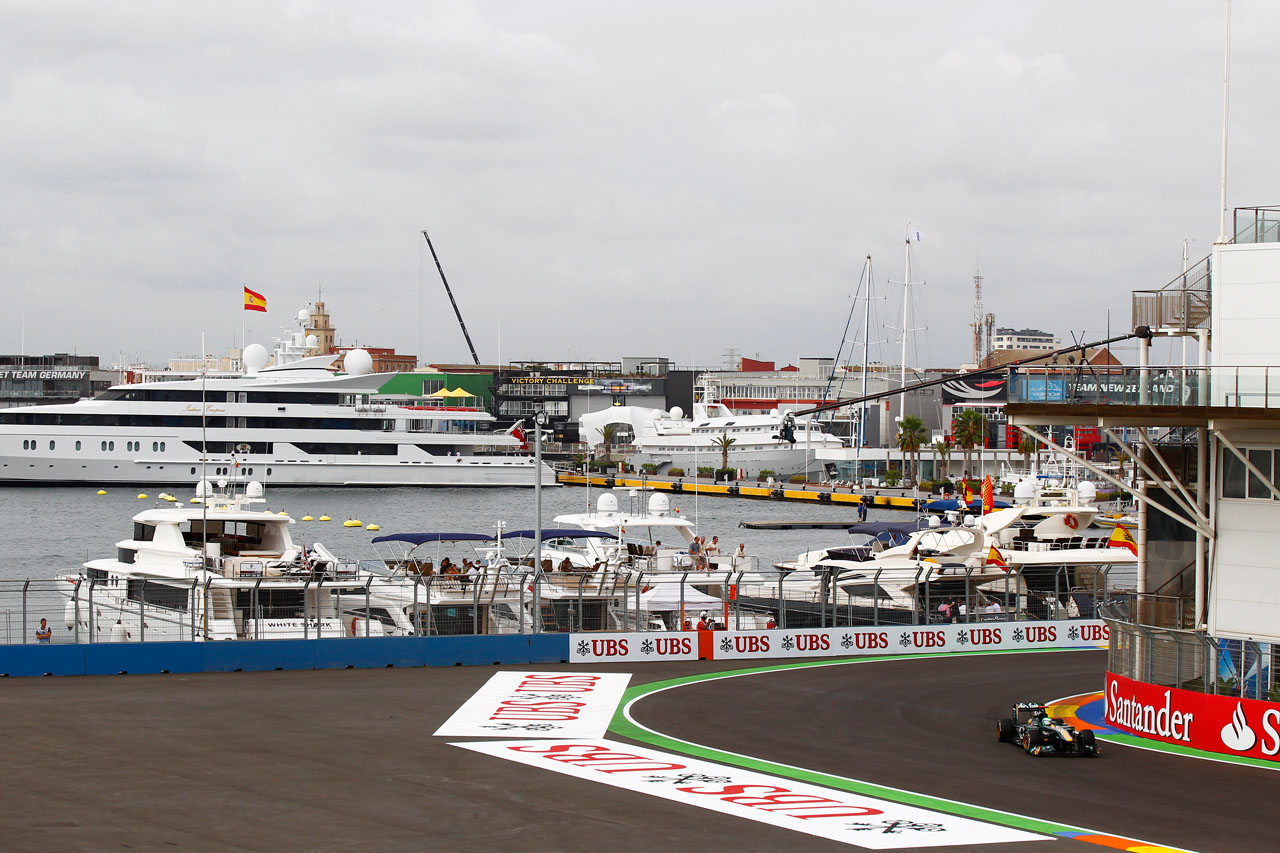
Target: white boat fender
x=69 y=614
x=118 y=633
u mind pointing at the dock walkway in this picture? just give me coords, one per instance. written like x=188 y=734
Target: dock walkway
x=778 y=491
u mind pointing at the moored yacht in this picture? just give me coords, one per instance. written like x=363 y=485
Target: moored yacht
x=287 y=421
x=778 y=441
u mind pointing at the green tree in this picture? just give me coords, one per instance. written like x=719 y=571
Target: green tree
x=943 y=450
x=969 y=430
x=1027 y=446
x=723 y=443
x=607 y=433
x=911 y=437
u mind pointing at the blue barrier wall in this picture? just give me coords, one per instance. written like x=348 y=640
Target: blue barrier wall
x=268 y=655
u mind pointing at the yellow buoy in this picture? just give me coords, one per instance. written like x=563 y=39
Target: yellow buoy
x=373 y=527
x=195 y=500
x=352 y=522
x=171 y=498
x=307 y=518
x=325 y=518
x=102 y=491
x=142 y=496
x=282 y=512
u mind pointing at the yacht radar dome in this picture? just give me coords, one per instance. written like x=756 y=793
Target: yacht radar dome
x=254 y=357
x=677 y=412
x=312 y=342
x=358 y=362
x=304 y=315
x=608 y=503
x=1088 y=492
x=253 y=490
x=1024 y=492
x=659 y=504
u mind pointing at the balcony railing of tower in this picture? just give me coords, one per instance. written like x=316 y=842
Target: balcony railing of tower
x=1245 y=387
x=1257 y=224
x=1181 y=304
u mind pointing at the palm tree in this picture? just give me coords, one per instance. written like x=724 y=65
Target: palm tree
x=607 y=432
x=969 y=429
x=943 y=450
x=911 y=436
x=1026 y=447
x=723 y=443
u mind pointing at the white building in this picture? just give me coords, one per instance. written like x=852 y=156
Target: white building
x=1025 y=339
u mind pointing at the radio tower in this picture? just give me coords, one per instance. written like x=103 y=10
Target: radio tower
x=978 y=317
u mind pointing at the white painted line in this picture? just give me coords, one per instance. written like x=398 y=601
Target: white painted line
x=539 y=704
x=853 y=819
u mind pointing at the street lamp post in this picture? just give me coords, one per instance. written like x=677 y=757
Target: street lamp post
x=539 y=421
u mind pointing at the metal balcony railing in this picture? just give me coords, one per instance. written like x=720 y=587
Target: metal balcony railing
x=1257 y=224
x=1247 y=387
x=1181 y=304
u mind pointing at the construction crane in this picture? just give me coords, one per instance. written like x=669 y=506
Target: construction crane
x=452 y=301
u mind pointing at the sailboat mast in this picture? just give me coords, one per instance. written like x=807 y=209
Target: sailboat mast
x=906 y=314
x=866 y=356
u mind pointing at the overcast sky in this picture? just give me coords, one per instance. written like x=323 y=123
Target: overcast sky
x=608 y=179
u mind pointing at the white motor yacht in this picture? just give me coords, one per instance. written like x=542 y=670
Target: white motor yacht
x=287 y=421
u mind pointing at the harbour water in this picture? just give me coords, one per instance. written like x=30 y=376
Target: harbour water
x=53 y=529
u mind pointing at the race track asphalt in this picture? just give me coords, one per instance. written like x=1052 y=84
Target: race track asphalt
x=929 y=726
x=347 y=760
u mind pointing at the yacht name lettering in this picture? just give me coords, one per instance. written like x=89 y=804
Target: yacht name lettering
x=208 y=408
x=43 y=374
x=1148 y=719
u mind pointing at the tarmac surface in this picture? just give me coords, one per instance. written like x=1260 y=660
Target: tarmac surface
x=346 y=759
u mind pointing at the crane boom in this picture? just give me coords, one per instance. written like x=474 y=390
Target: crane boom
x=452 y=301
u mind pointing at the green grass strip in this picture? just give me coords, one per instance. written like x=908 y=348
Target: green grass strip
x=624 y=726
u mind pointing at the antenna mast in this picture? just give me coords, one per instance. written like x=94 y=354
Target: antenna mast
x=977 y=317
x=453 y=302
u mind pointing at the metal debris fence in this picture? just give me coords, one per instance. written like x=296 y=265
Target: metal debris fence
x=1192 y=660
x=534 y=602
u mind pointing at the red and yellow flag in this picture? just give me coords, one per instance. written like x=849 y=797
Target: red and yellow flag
x=988 y=494
x=995 y=559
x=254 y=301
x=1122 y=538
x=968 y=495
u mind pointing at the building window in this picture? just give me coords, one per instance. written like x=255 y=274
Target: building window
x=1239 y=482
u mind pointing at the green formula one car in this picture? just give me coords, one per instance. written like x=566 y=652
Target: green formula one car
x=1030 y=725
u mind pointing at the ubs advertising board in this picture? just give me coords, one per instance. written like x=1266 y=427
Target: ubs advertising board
x=838 y=642
x=1224 y=724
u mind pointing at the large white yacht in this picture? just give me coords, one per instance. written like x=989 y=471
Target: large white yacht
x=287 y=421
x=778 y=441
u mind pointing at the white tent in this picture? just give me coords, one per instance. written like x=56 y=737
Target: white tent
x=666 y=596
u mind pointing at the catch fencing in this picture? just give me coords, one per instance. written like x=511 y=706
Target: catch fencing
x=366 y=605
x=1194 y=661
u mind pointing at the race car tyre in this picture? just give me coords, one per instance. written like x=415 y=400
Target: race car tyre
x=1004 y=729
x=1032 y=741
x=1088 y=743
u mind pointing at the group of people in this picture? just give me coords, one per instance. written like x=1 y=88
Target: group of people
x=703 y=552
x=953 y=611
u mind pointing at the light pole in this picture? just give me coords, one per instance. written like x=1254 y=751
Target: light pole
x=539 y=421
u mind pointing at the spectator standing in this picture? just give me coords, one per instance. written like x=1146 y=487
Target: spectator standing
x=44 y=634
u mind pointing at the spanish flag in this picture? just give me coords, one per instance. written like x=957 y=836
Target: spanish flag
x=254 y=301
x=1122 y=538
x=994 y=558
x=968 y=495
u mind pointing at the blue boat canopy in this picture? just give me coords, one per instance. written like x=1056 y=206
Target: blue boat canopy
x=558 y=533
x=953 y=504
x=419 y=538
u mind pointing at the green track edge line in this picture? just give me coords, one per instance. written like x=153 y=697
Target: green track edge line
x=624 y=726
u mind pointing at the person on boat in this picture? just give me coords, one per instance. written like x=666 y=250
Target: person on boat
x=448 y=568
x=44 y=633
x=695 y=552
x=566 y=565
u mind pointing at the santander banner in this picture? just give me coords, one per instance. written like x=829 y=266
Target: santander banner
x=1225 y=724
x=837 y=642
